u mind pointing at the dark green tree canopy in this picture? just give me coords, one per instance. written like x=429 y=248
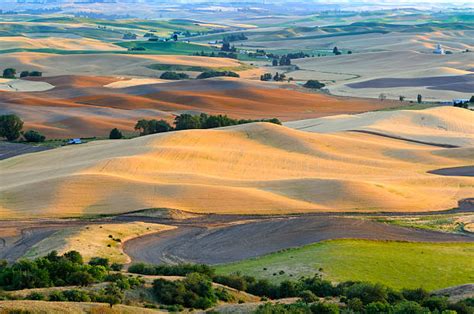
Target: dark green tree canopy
x=10 y=126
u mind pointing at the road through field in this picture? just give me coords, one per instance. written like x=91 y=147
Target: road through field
x=242 y=240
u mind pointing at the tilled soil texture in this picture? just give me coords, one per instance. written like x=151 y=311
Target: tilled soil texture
x=239 y=241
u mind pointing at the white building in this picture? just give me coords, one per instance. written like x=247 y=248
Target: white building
x=439 y=50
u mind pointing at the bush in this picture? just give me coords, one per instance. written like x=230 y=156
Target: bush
x=10 y=126
x=367 y=292
x=9 y=73
x=116 y=266
x=76 y=296
x=33 y=136
x=195 y=291
x=324 y=308
x=35 y=296
x=115 y=134
x=314 y=84
x=417 y=295
x=308 y=297
x=24 y=74
x=378 y=308
x=210 y=74
x=173 y=76
x=409 y=307
x=147 y=127
x=99 y=261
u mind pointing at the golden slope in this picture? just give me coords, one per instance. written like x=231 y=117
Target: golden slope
x=441 y=125
x=255 y=168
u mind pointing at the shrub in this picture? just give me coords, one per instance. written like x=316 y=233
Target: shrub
x=116 y=266
x=35 y=296
x=378 y=308
x=314 y=84
x=10 y=126
x=36 y=73
x=99 y=261
x=409 y=307
x=324 y=308
x=436 y=303
x=195 y=291
x=76 y=296
x=24 y=74
x=173 y=76
x=308 y=297
x=115 y=134
x=57 y=296
x=9 y=73
x=34 y=136
x=417 y=295
x=367 y=292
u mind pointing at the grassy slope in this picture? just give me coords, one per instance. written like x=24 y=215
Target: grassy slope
x=396 y=264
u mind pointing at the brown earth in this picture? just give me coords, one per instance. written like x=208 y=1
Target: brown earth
x=216 y=244
x=80 y=106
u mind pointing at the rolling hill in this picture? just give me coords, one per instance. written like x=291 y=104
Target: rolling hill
x=256 y=168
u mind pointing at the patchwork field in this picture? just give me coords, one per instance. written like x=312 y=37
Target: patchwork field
x=397 y=264
x=256 y=168
x=85 y=106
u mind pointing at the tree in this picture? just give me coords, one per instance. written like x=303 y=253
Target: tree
x=24 y=74
x=324 y=308
x=115 y=134
x=33 y=136
x=314 y=84
x=335 y=51
x=9 y=73
x=419 y=98
x=10 y=126
x=472 y=99
x=81 y=278
x=99 y=261
x=266 y=77
x=186 y=121
x=401 y=98
x=275 y=62
x=382 y=96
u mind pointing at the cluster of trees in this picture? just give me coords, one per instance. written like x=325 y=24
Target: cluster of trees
x=32 y=73
x=355 y=297
x=314 y=84
x=11 y=73
x=187 y=121
x=194 y=291
x=212 y=73
x=170 y=75
x=465 y=105
x=226 y=46
x=278 y=77
x=220 y=54
x=51 y=271
x=11 y=126
x=234 y=37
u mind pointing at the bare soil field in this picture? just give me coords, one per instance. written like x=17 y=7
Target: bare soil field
x=215 y=245
x=8 y=150
x=467 y=171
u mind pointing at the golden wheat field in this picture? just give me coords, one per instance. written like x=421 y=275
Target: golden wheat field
x=255 y=168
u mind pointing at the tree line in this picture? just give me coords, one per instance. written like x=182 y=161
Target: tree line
x=187 y=121
x=354 y=297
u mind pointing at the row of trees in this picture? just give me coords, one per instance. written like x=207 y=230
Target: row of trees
x=11 y=126
x=355 y=297
x=187 y=121
x=10 y=73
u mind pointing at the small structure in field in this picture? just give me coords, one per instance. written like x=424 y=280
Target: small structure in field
x=74 y=141
x=439 y=50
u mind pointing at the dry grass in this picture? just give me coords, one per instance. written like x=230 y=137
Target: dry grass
x=103 y=240
x=36 y=307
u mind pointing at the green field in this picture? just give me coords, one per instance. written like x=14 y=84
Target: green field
x=395 y=264
x=191 y=68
